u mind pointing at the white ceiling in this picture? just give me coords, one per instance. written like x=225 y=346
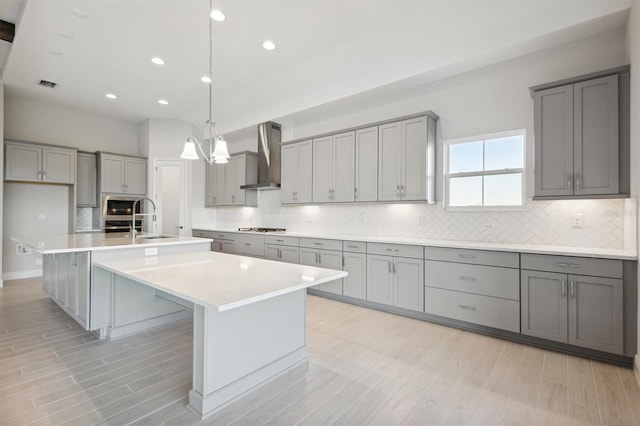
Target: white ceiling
x=327 y=50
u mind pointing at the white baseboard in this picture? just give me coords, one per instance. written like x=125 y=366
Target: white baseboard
x=636 y=367
x=6 y=276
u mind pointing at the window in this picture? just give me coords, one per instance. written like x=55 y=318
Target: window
x=485 y=172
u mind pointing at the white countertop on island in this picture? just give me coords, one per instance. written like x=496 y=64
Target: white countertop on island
x=220 y=281
x=68 y=243
x=604 y=253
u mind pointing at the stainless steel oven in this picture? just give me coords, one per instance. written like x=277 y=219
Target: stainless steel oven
x=117 y=213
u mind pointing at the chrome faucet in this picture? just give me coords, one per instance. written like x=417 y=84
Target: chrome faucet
x=134 y=232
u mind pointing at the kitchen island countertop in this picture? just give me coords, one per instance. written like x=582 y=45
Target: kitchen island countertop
x=604 y=253
x=69 y=243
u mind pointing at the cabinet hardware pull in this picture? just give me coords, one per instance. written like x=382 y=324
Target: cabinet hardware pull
x=467 y=256
x=397 y=190
x=355 y=192
x=468 y=308
x=568 y=265
x=44 y=175
x=319 y=257
x=402 y=190
x=396 y=250
x=463 y=278
x=572 y=289
x=577 y=181
x=343 y=262
x=563 y=288
x=280 y=241
x=389 y=250
x=569 y=181
x=318 y=244
x=247 y=244
x=279 y=254
x=316 y=257
x=394 y=266
x=39 y=175
x=352 y=246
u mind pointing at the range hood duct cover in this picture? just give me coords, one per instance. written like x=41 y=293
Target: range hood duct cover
x=269 y=138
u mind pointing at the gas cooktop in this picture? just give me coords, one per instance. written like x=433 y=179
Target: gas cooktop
x=262 y=229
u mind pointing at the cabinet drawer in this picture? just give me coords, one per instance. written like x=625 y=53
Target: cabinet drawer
x=401 y=250
x=475 y=257
x=282 y=240
x=250 y=245
x=573 y=265
x=473 y=308
x=477 y=279
x=321 y=243
x=223 y=235
x=354 y=246
x=202 y=234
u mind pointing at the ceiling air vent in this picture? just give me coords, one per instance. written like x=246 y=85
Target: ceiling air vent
x=49 y=84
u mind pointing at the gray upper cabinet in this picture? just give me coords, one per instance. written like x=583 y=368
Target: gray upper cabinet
x=297 y=173
x=122 y=175
x=223 y=181
x=366 y=170
x=334 y=168
x=406 y=160
x=86 y=186
x=39 y=163
x=579 y=151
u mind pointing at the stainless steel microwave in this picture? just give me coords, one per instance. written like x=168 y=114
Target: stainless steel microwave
x=117 y=207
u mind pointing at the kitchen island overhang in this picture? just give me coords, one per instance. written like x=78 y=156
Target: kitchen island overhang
x=249 y=315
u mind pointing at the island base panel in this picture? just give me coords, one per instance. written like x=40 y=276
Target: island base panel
x=236 y=350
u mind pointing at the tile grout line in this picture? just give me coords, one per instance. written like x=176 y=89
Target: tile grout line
x=626 y=397
x=593 y=376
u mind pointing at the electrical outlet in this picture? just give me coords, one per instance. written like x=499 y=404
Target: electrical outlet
x=151 y=251
x=20 y=250
x=577 y=220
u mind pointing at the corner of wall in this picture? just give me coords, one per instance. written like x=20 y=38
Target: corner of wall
x=636 y=367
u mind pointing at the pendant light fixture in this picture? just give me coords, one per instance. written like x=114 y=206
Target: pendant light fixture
x=218 y=152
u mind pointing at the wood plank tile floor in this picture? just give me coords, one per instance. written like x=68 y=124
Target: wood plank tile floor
x=366 y=367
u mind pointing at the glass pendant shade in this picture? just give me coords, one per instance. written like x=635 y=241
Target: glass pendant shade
x=220 y=150
x=189 y=151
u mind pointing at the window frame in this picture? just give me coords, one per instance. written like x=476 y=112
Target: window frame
x=477 y=138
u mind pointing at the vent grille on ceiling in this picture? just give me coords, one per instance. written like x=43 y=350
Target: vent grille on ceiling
x=49 y=84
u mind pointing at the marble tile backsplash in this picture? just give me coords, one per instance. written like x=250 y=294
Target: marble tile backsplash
x=606 y=223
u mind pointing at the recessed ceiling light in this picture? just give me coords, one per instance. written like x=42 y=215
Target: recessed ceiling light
x=205 y=78
x=216 y=15
x=157 y=61
x=268 y=45
x=163 y=102
x=111 y=96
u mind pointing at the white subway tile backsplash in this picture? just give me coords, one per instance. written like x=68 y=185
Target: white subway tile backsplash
x=606 y=222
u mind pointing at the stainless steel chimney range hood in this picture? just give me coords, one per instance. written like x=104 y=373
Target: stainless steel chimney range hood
x=269 y=138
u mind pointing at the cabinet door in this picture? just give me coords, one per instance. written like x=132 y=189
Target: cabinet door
x=58 y=165
x=231 y=183
x=414 y=159
x=389 y=161
x=596 y=136
x=241 y=170
x=22 y=162
x=289 y=173
x=135 y=176
x=86 y=180
x=228 y=246
x=271 y=252
x=309 y=257
x=72 y=285
x=595 y=313
x=344 y=162
x=63 y=279
x=380 y=279
x=112 y=175
x=553 y=129
x=409 y=283
x=289 y=254
x=355 y=285
x=366 y=171
x=323 y=170
x=331 y=260
x=543 y=305
x=305 y=173
x=210 y=185
x=83 y=267
x=221 y=184
x=47 y=260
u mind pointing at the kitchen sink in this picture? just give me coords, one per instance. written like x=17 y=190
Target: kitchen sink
x=155 y=237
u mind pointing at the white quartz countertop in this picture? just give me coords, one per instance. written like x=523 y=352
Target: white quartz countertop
x=220 y=281
x=67 y=243
x=621 y=254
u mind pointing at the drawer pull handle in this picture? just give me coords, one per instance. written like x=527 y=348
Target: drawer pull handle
x=563 y=288
x=247 y=244
x=318 y=244
x=463 y=278
x=389 y=250
x=352 y=246
x=280 y=241
x=568 y=265
x=467 y=256
x=396 y=250
x=468 y=308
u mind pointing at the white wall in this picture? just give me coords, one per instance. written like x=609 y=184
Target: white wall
x=487 y=100
x=633 y=52
x=39 y=121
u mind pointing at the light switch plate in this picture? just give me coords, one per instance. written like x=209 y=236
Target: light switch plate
x=577 y=220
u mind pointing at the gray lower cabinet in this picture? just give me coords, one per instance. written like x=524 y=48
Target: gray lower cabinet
x=355 y=284
x=281 y=253
x=321 y=258
x=580 y=310
x=66 y=280
x=396 y=281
